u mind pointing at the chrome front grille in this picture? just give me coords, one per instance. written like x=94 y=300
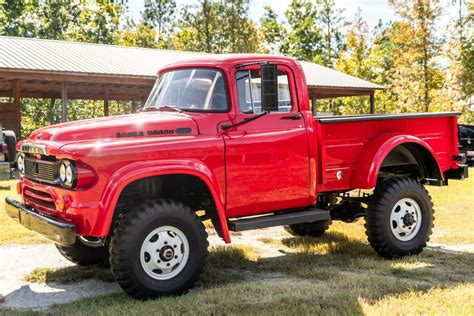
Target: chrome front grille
x=40 y=170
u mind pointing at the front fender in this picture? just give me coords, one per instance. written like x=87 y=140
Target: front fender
x=144 y=169
x=370 y=160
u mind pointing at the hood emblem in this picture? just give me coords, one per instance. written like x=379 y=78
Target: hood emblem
x=161 y=132
x=179 y=130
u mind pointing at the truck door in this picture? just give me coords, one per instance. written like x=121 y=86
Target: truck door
x=267 y=163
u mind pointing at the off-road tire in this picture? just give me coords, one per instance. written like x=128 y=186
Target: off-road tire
x=377 y=217
x=131 y=233
x=84 y=255
x=315 y=229
x=10 y=139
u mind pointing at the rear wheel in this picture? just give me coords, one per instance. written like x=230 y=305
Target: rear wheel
x=315 y=229
x=399 y=219
x=82 y=254
x=158 y=249
x=10 y=140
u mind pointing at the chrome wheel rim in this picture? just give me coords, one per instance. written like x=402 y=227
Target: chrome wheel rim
x=405 y=219
x=164 y=253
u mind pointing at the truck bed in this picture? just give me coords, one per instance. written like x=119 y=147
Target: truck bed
x=342 y=139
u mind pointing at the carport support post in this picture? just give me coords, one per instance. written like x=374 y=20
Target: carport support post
x=134 y=106
x=106 y=102
x=372 y=103
x=313 y=104
x=64 y=102
x=17 y=105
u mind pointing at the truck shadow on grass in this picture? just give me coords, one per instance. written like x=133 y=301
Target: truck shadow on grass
x=331 y=275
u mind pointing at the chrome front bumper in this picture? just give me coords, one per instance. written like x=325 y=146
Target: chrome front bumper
x=59 y=231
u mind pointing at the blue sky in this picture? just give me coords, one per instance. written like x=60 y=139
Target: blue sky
x=372 y=10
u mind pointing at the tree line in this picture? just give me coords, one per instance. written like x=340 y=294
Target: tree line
x=422 y=67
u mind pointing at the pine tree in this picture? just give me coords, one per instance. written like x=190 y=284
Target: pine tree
x=416 y=76
x=331 y=22
x=353 y=60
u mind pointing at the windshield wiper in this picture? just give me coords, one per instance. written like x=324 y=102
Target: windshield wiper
x=168 y=107
x=148 y=109
x=246 y=120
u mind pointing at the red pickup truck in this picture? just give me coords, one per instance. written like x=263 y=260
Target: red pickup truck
x=232 y=139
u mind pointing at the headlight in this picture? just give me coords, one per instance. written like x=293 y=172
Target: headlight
x=20 y=163
x=67 y=173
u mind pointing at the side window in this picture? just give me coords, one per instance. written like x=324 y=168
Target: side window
x=248 y=90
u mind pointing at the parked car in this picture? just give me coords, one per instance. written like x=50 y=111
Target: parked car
x=8 y=150
x=232 y=136
x=466 y=142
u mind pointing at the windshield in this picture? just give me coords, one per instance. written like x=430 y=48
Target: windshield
x=190 y=90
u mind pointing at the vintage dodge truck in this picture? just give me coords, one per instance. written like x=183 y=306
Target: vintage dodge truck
x=231 y=139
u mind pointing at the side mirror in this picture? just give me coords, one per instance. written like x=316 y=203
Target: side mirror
x=269 y=88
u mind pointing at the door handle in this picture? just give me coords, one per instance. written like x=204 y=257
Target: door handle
x=292 y=117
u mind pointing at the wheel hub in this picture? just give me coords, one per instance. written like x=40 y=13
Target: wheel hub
x=164 y=253
x=405 y=219
x=408 y=219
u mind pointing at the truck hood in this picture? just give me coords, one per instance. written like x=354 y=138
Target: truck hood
x=147 y=124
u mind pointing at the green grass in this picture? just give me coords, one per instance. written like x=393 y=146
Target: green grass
x=69 y=275
x=332 y=275
x=10 y=231
x=453 y=206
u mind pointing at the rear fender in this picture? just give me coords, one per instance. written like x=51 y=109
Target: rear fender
x=373 y=154
x=145 y=169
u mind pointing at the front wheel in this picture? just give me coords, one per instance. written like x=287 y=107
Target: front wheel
x=158 y=249
x=399 y=219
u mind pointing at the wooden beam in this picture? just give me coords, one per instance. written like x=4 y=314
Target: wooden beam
x=313 y=104
x=134 y=106
x=17 y=105
x=75 y=96
x=372 y=103
x=78 y=77
x=106 y=101
x=64 y=102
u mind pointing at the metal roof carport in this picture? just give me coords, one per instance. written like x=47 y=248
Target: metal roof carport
x=38 y=68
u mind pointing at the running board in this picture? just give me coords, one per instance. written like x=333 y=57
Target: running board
x=278 y=219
